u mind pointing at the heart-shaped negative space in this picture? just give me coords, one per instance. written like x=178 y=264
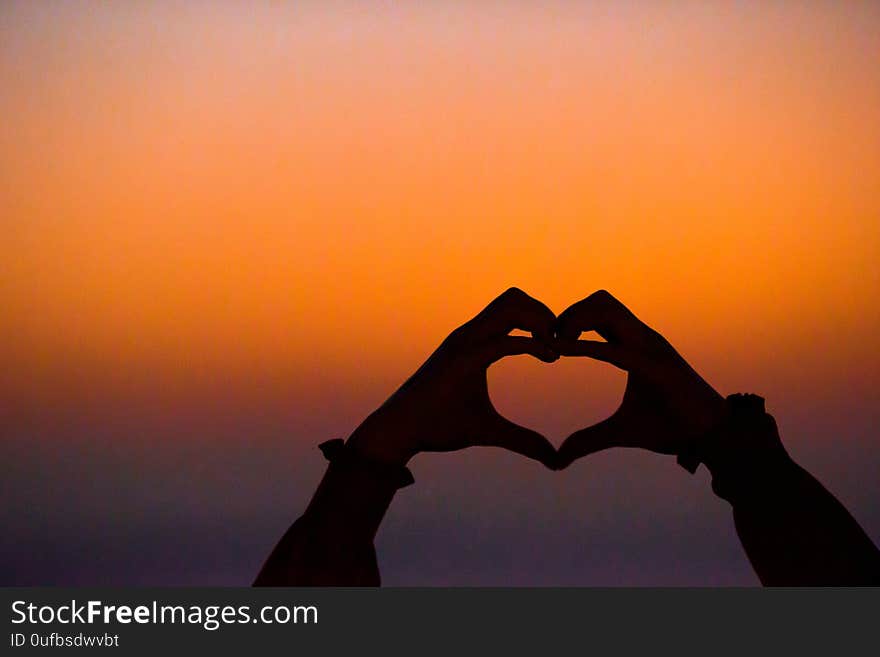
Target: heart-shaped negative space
x=558 y=398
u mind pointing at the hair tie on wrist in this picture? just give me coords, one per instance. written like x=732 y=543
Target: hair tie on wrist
x=337 y=451
x=742 y=446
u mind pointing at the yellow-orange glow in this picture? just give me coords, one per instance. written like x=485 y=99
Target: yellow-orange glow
x=238 y=193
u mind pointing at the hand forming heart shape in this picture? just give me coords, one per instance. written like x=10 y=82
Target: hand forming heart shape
x=801 y=536
x=445 y=405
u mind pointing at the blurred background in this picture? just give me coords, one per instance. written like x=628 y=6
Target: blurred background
x=230 y=230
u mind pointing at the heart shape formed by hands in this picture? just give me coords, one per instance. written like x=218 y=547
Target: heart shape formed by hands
x=555 y=399
x=445 y=405
x=665 y=402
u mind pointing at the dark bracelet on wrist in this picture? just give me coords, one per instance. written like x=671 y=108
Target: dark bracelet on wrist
x=739 y=449
x=340 y=453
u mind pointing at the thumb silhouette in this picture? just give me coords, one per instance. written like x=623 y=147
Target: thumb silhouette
x=506 y=434
x=587 y=441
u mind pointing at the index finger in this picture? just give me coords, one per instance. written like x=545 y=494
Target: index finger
x=600 y=312
x=514 y=309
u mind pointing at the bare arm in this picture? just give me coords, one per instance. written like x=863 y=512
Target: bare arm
x=331 y=544
x=444 y=406
x=793 y=530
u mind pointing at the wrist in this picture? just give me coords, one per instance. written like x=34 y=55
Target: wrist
x=376 y=441
x=705 y=407
x=742 y=451
x=357 y=489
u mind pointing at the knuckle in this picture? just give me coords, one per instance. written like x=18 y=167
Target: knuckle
x=602 y=296
x=459 y=337
x=654 y=341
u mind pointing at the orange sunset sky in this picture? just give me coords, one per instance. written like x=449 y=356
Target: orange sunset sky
x=286 y=206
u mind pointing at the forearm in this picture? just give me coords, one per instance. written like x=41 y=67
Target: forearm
x=794 y=531
x=331 y=544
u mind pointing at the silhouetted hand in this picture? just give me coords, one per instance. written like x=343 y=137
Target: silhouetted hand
x=665 y=400
x=445 y=405
x=794 y=531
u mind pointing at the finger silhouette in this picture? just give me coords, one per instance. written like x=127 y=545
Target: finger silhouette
x=503 y=433
x=514 y=309
x=593 y=439
x=599 y=312
x=604 y=351
x=514 y=345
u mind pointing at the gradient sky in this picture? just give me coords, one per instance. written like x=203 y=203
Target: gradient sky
x=230 y=230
